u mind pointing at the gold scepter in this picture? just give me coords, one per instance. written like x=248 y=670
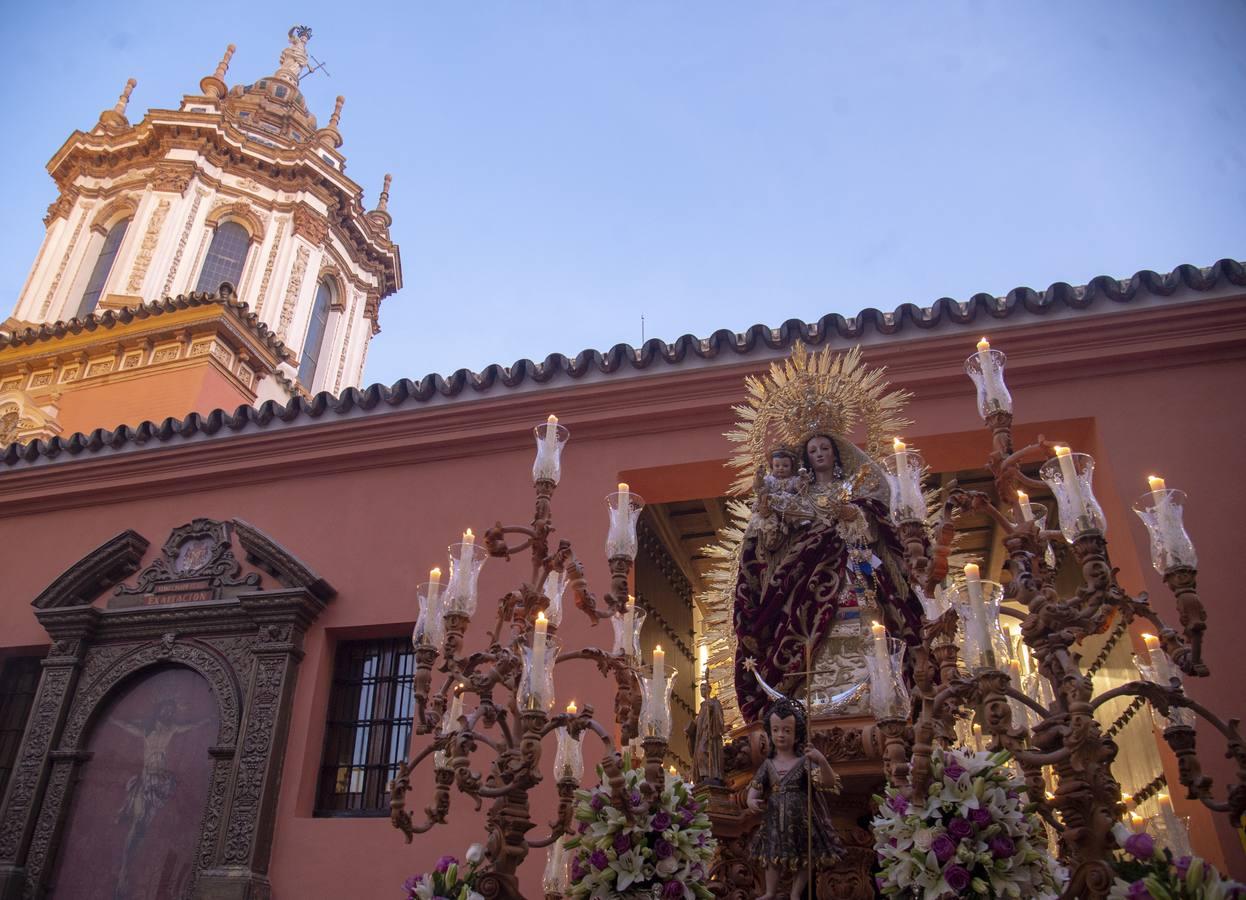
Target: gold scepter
x=809 y=774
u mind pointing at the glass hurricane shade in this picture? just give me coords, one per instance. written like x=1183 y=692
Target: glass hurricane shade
x=904 y=477
x=993 y=394
x=430 y=627
x=550 y=439
x=624 y=508
x=536 y=683
x=1071 y=481
x=461 y=592
x=985 y=645
x=627 y=640
x=655 y=703
x=1163 y=512
x=889 y=697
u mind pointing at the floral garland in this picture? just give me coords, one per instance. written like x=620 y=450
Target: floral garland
x=448 y=880
x=1145 y=872
x=970 y=837
x=662 y=851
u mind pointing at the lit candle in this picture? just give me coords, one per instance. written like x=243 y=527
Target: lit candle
x=1165 y=521
x=904 y=477
x=456 y=707
x=1166 y=810
x=1159 y=659
x=1069 y=473
x=1136 y=821
x=629 y=626
x=622 y=520
x=1027 y=511
x=466 y=554
x=977 y=736
x=572 y=709
x=990 y=375
x=551 y=435
x=538 y=659
x=882 y=661
x=977 y=612
x=659 y=670
x=1014 y=670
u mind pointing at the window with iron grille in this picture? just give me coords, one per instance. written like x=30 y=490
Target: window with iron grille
x=19 y=677
x=368 y=731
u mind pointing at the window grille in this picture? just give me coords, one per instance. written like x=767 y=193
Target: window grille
x=368 y=730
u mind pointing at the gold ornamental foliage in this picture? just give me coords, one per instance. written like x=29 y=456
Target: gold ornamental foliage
x=814 y=393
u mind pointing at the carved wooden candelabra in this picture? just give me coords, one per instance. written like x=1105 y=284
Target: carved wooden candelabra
x=1065 y=739
x=513 y=725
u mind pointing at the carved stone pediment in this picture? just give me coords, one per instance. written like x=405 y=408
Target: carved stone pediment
x=22 y=419
x=196 y=564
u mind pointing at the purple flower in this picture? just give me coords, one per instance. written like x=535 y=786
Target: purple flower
x=577 y=869
x=958 y=877
x=446 y=862
x=635 y=799
x=622 y=843
x=943 y=848
x=953 y=770
x=583 y=827
x=672 y=890
x=959 y=828
x=661 y=821
x=663 y=848
x=1140 y=845
x=1002 y=846
x=599 y=860
x=898 y=803
x=980 y=817
x=412 y=883
x=701 y=839
x=1137 y=891
x=687 y=818
x=1183 y=865
x=597 y=802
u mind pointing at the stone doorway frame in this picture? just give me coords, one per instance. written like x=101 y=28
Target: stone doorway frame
x=247 y=645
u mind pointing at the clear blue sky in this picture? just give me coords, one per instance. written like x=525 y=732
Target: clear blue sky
x=561 y=168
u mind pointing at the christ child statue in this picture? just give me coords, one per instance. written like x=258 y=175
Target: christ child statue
x=777 y=492
x=795 y=834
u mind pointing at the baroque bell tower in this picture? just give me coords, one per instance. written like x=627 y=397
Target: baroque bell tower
x=219 y=246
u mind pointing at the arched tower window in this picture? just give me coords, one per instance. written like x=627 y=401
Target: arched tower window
x=103 y=265
x=226 y=257
x=313 y=344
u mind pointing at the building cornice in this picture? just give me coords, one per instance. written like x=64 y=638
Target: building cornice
x=430 y=420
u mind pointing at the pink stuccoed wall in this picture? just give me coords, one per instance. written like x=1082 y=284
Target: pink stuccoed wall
x=371 y=503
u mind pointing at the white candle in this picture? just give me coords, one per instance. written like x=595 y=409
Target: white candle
x=1165 y=806
x=466 y=554
x=977 y=736
x=456 y=707
x=882 y=662
x=1071 y=484
x=622 y=520
x=990 y=375
x=703 y=659
x=904 y=477
x=1027 y=511
x=548 y=451
x=1166 y=522
x=572 y=709
x=659 y=670
x=977 y=611
x=538 y=659
x=629 y=626
x=1159 y=659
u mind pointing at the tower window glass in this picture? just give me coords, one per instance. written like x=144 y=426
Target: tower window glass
x=103 y=265
x=313 y=345
x=226 y=257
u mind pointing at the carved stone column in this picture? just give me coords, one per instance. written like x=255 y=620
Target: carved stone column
x=24 y=849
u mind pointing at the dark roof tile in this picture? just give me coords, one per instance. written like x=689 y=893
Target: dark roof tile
x=1103 y=288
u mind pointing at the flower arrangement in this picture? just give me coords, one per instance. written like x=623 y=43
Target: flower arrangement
x=662 y=851
x=1146 y=872
x=448 y=880
x=971 y=836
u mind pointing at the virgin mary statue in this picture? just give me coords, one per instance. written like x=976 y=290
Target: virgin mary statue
x=818 y=537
